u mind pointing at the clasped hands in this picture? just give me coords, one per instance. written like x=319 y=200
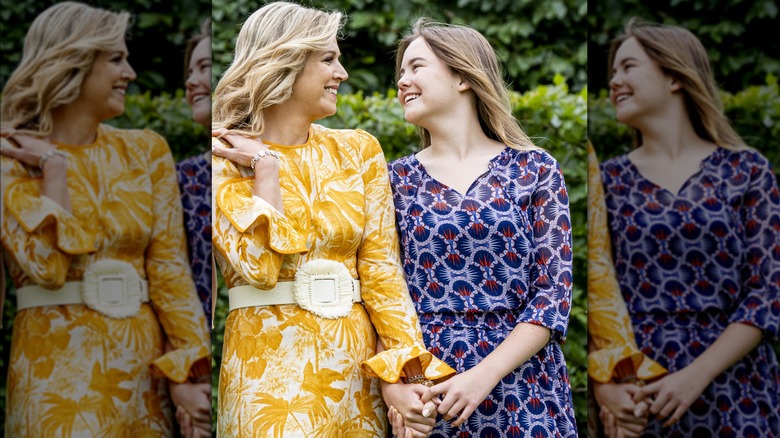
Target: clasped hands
x=412 y=409
x=626 y=407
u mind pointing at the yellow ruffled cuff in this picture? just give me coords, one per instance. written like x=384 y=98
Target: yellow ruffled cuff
x=388 y=364
x=175 y=365
x=244 y=211
x=33 y=211
x=602 y=363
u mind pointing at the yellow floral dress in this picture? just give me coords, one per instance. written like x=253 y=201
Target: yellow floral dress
x=74 y=371
x=285 y=371
x=609 y=327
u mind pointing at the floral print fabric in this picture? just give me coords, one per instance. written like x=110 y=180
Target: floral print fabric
x=73 y=371
x=285 y=371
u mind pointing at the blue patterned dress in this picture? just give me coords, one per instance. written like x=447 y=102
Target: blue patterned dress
x=479 y=264
x=691 y=264
x=194 y=175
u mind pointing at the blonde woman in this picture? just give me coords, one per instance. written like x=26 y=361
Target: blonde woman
x=305 y=238
x=693 y=216
x=486 y=244
x=92 y=238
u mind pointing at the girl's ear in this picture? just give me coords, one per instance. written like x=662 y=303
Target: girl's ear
x=463 y=85
x=675 y=85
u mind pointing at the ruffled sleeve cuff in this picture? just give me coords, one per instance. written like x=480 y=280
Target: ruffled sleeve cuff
x=175 y=365
x=34 y=211
x=388 y=364
x=246 y=211
x=602 y=363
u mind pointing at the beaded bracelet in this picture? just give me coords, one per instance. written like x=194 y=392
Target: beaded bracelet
x=262 y=154
x=49 y=154
x=419 y=380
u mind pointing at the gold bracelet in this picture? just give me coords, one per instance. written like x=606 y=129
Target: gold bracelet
x=419 y=380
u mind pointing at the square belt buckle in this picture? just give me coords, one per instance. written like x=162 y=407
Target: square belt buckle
x=324 y=290
x=111 y=290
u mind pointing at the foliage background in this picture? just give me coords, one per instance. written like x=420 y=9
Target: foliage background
x=544 y=50
x=536 y=39
x=155 y=100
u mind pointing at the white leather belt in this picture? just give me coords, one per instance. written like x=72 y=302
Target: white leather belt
x=323 y=287
x=111 y=287
x=283 y=293
x=69 y=293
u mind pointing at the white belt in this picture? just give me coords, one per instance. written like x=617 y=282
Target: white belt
x=283 y=293
x=322 y=287
x=69 y=293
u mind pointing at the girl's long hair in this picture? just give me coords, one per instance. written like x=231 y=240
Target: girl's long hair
x=470 y=55
x=681 y=55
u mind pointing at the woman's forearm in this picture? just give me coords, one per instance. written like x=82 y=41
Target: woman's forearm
x=55 y=181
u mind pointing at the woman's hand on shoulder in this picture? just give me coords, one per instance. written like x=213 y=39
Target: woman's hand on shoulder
x=239 y=149
x=31 y=149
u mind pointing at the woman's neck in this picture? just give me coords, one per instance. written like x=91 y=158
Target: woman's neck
x=285 y=128
x=73 y=127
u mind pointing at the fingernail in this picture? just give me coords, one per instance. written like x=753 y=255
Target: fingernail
x=426 y=411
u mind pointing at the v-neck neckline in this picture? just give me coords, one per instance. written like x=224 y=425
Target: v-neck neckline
x=702 y=164
x=491 y=163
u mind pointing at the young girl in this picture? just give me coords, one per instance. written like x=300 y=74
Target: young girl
x=486 y=243
x=694 y=216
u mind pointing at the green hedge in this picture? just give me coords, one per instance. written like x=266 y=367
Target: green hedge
x=535 y=39
x=556 y=119
x=170 y=116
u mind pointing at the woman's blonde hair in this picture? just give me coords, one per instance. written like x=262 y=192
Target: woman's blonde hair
x=59 y=50
x=271 y=51
x=470 y=55
x=681 y=55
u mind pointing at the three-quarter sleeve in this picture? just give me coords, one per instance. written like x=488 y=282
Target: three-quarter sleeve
x=36 y=231
x=171 y=288
x=609 y=325
x=550 y=275
x=383 y=287
x=249 y=232
x=760 y=217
